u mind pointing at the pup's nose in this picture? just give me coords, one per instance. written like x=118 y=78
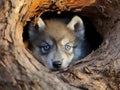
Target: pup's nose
x=57 y=64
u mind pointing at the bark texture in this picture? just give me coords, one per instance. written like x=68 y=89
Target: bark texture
x=20 y=71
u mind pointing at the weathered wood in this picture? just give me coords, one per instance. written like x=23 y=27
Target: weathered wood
x=20 y=70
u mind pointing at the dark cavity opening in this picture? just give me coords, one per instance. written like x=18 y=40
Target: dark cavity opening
x=91 y=34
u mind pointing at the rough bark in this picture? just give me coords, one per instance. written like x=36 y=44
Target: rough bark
x=20 y=71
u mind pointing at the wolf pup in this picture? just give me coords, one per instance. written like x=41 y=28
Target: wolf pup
x=56 y=44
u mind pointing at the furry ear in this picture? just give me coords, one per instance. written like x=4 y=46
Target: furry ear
x=35 y=29
x=41 y=24
x=76 y=24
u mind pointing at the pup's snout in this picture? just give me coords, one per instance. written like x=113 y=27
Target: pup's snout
x=57 y=64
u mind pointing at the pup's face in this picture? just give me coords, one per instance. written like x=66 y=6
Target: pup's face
x=53 y=45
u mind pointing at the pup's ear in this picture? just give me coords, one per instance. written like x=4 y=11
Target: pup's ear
x=77 y=25
x=35 y=29
x=41 y=24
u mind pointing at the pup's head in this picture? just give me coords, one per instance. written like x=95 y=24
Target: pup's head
x=53 y=43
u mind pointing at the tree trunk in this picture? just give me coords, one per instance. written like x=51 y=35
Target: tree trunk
x=19 y=70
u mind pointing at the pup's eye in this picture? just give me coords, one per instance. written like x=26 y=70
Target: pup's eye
x=67 y=47
x=45 y=47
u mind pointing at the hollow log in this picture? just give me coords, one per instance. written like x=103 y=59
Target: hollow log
x=19 y=70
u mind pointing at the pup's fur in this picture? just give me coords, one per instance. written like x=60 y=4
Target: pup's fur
x=56 y=44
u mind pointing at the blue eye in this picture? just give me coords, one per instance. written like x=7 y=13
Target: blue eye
x=45 y=47
x=67 y=47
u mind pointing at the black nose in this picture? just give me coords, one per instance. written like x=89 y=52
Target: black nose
x=57 y=64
